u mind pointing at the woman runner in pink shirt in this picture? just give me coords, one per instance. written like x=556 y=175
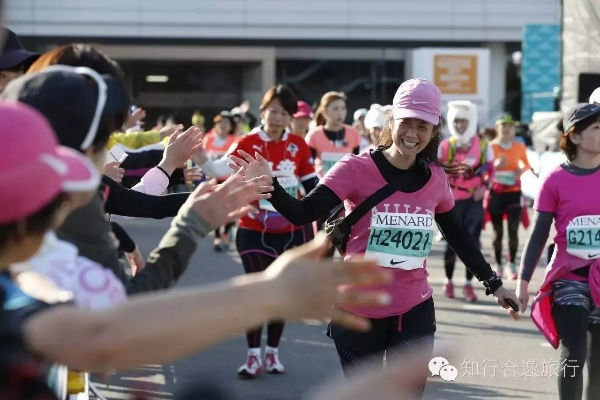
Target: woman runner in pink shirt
x=399 y=231
x=566 y=307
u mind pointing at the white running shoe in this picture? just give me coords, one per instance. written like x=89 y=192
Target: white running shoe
x=272 y=364
x=251 y=368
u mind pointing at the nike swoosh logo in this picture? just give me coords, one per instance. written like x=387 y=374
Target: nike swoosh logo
x=425 y=295
x=593 y=255
x=419 y=102
x=392 y=262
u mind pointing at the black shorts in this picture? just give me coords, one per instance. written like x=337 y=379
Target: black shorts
x=501 y=203
x=384 y=333
x=273 y=244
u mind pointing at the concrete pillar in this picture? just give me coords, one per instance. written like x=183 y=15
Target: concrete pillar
x=252 y=87
x=498 y=60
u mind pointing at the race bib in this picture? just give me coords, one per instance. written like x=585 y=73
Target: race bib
x=507 y=178
x=400 y=241
x=328 y=160
x=291 y=186
x=583 y=237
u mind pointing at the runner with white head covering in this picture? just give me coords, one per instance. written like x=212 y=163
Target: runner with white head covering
x=465 y=146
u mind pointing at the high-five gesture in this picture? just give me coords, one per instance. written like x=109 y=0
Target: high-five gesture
x=219 y=204
x=251 y=167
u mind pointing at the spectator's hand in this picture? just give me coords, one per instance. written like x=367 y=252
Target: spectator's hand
x=136 y=261
x=167 y=131
x=134 y=119
x=199 y=157
x=114 y=171
x=251 y=167
x=226 y=202
x=180 y=148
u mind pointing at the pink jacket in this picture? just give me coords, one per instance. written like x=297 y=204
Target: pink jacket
x=464 y=185
x=541 y=308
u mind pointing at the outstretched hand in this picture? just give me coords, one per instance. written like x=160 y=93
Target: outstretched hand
x=251 y=167
x=226 y=202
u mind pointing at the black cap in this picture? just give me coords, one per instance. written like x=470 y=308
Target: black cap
x=578 y=114
x=13 y=53
x=65 y=96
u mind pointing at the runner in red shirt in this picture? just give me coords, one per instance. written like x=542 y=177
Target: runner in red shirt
x=262 y=238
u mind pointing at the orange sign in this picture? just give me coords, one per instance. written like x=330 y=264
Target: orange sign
x=455 y=74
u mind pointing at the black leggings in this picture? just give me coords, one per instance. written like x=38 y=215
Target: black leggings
x=471 y=213
x=257 y=251
x=579 y=341
x=508 y=204
x=390 y=336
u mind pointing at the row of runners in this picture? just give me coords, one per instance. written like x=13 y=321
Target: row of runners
x=392 y=234
x=489 y=192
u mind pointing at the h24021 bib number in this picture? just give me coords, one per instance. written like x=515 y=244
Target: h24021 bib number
x=400 y=240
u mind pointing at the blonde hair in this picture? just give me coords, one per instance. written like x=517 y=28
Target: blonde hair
x=326 y=100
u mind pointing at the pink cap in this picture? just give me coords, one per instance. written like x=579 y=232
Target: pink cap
x=34 y=169
x=304 y=110
x=418 y=98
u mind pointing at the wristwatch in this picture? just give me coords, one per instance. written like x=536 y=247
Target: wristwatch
x=492 y=283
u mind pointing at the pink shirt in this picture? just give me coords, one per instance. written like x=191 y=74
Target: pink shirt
x=328 y=152
x=464 y=185
x=399 y=231
x=574 y=201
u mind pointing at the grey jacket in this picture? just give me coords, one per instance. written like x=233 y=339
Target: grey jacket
x=89 y=229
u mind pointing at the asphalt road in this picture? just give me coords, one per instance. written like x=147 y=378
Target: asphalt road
x=499 y=358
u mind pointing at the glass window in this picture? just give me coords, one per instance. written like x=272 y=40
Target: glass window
x=364 y=82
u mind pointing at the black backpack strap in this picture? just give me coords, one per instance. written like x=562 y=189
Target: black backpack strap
x=367 y=205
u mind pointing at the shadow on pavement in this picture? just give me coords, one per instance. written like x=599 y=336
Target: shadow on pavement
x=440 y=390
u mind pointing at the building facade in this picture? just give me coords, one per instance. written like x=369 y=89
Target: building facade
x=212 y=54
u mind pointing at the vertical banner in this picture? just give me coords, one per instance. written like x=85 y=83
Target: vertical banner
x=540 y=68
x=460 y=73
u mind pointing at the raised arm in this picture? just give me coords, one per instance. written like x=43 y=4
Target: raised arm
x=164 y=327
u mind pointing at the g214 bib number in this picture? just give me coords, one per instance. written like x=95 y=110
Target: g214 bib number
x=583 y=237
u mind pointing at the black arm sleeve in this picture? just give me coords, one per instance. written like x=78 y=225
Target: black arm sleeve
x=461 y=241
x=317 y=204
x=129 y=203
x=542 y=222
x=143 y=159
x=356 y=150
x=126 y=243
x=310 y=184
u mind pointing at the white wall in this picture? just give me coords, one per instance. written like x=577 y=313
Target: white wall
x=581 y=48
x=453 y=20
